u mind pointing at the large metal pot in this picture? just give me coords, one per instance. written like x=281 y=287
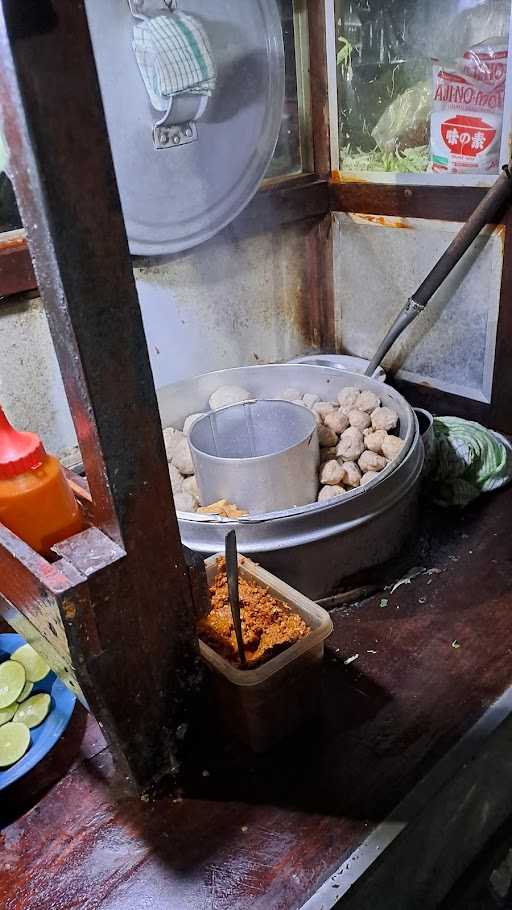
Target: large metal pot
x=315 y=546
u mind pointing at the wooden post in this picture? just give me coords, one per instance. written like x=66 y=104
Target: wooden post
x=129 y=618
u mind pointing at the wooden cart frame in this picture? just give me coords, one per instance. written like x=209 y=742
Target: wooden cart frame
x=114 y=613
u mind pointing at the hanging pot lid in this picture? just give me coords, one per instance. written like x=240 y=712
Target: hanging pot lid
x=174 y=198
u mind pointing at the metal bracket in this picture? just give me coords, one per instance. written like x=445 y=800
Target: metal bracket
x=414 y=305
x=177 y=126
x=143 y=8
x=165 y=137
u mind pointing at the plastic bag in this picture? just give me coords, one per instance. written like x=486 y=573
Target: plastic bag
x=405 y=121
x=467 y=110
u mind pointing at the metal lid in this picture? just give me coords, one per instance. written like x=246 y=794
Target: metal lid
x=177 y=197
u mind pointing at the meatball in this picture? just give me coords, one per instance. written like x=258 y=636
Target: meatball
x=332 y=473
x=392 y=446
x=171 y=439
x=367 y=401
x=336 y=421
x=370 y=461
x=359 y=419
x=347 y=398
x=329 y=492
x=351 y=475
x=310 y=399
x=176 y=479
x=228 y=394
x=184 y=502
x=190 y=486
x=324 y=407
x=374 y=440
x=351 y=444
x=182 y=458
x=384 y=419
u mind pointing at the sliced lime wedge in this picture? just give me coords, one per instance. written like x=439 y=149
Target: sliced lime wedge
x=12 y=681
x=35 y=667
x=14 y=742
x=33 y=711
x=7 y=714
x=27 y=689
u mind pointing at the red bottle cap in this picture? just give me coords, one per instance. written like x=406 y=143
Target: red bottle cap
x=18 y=451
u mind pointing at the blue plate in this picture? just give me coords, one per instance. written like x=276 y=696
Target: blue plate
x=43 y=737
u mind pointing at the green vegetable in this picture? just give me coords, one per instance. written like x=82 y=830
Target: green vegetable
x=12 y=681
x=7 y=714
x=406 y=161
x=27 y=689
x=33 y=711
x=14 y=742
x=35 y=667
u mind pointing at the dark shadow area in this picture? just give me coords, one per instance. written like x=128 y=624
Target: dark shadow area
x=486 y=884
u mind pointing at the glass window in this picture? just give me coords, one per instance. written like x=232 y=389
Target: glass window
x=288 y=157
x=421 y=84
x=9 y=216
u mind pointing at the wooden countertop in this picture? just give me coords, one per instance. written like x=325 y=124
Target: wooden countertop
x=265 y=832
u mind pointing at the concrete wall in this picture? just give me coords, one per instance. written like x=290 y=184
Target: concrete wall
x=229 y=302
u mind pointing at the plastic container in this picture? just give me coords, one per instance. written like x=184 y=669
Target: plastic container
x=264 y=705
x=36 y=501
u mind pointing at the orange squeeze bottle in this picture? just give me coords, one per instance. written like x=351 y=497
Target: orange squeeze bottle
x=36 y=501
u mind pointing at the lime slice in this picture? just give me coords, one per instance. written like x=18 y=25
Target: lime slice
x=14 y=742
x=27 y=689
x=33 y=711
x=8 y=713
x=35 y=667
x=12 y=681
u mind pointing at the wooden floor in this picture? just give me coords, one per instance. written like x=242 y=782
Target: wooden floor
x=264 y=833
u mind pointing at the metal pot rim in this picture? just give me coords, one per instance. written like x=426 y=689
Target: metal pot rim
x=345 y=377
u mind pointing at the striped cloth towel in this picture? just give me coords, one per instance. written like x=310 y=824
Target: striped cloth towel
x=174 y=56
x=469 y=460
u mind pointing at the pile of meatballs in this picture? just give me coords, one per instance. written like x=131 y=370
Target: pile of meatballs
x=357 y=436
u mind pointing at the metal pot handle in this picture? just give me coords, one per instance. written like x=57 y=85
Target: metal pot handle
x=141 y=9
x=177 y=126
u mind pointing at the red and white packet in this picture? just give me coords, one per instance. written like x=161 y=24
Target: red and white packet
x=467 y=110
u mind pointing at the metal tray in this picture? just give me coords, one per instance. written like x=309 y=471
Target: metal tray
x=176 y=198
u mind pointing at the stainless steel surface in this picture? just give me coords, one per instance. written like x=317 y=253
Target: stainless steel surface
x=233 y=591
x=452 y=346
x=342 y=362
x=172 y=136
x=406 y=315
x=486 y=211
x=261 y=455
x=176 y=199
x=315 y=546
x=428 y=437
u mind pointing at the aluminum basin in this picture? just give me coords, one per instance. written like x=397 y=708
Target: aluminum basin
x=313 y=547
